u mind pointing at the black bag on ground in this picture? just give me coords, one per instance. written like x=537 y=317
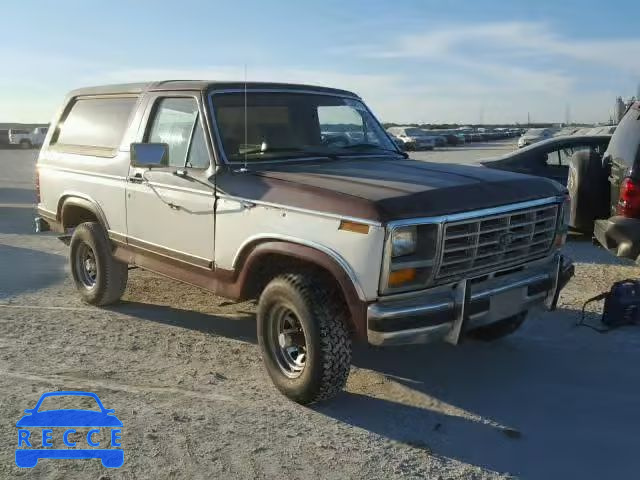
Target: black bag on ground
x=621 y=306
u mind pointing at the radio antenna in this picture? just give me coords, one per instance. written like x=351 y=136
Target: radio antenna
x=246 y=141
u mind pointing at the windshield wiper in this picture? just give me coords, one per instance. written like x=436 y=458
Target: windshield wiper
x=272 y=150
x=292 y=150
x=373 y=145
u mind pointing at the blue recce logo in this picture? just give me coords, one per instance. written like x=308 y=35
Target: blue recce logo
x=35 y=433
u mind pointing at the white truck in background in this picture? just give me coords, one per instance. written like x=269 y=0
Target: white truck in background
x=25 y=138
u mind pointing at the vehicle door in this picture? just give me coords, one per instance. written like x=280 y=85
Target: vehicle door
x=623 y=154
x=170 y=210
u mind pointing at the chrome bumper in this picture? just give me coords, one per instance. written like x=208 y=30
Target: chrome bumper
x=446 y=311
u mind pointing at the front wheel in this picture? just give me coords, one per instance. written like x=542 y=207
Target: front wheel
x=305 y=344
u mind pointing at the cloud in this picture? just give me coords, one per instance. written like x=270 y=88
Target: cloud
x=465 y=72
x=521 y=39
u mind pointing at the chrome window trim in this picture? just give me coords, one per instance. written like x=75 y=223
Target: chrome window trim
x=371 y=223
x=287 y=238
x=284 y=90
x=216 y=131
x=440 y=221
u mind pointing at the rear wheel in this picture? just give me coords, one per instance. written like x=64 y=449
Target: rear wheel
x=305 y=344
x=499 y=329
x=99 y=277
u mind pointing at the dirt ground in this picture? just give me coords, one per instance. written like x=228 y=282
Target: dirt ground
x=183 y=372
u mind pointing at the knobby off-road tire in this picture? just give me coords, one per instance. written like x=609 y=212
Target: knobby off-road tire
x=321 y=317
x=500 y=329
x=106 y=282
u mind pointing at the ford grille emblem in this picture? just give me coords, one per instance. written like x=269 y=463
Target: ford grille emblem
x=506 y=240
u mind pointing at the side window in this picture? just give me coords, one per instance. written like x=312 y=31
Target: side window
x=96 y=122
x=175 y=122
x=561 y=156
x=198 y=156
x=552 y=159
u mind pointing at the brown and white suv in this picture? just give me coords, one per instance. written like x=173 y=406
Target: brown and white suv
x=235 y=188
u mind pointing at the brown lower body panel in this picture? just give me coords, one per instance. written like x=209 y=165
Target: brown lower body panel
x=225 y=283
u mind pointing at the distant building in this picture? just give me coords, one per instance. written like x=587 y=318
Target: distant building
x=621 y=108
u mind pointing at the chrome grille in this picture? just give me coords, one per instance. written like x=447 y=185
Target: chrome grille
x=482 y=244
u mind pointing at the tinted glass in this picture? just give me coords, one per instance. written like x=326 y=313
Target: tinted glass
x=271 y=126
x=562 y=155
x=96 y=122
x=625 y=142
x=173 y=123
x=198 y=155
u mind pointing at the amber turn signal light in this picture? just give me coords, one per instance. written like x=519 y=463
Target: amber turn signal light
x=354 y=227
x=400 y=277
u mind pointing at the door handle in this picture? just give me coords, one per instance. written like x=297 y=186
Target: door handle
x=137 y=178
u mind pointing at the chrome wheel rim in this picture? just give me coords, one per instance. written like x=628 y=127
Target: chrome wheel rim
x=86 y=266
x=287 y=341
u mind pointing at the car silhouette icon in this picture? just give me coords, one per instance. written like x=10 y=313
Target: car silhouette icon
x=68 y=418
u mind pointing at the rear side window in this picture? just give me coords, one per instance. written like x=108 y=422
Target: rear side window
x=625 y=142
x=96 y=122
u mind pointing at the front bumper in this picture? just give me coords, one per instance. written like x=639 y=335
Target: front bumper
x=447 y=311
x=619 y=235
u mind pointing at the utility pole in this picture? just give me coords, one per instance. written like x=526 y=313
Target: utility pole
x=567 y=115
x=528 y=119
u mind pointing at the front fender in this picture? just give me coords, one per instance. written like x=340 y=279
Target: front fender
x=252 y=255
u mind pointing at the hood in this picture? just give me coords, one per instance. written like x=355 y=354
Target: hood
x=384 y=189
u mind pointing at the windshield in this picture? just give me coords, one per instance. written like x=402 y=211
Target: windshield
x=295 y=125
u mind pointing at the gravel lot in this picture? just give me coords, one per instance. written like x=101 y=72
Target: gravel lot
x=183 y=372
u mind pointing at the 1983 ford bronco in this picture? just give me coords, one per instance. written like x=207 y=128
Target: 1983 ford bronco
x=296 y=196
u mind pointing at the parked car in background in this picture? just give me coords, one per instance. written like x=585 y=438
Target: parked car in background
x=25 y=138
x=582 y=131
x=605 y=191
x=548 y=158
x=602 y=130
x=534 y=135
x=453 y=138
x=439 y=139
x=405 y=143
x=563 y=132
x=415 y=136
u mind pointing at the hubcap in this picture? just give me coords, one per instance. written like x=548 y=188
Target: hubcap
x=86 y=267
x=287 y=341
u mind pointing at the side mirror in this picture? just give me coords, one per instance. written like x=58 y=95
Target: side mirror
x=149 y=155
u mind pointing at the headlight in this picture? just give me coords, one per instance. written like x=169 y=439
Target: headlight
x=411 y=257
x=403 y=241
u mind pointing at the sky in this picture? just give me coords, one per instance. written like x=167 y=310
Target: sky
x=412 y=61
